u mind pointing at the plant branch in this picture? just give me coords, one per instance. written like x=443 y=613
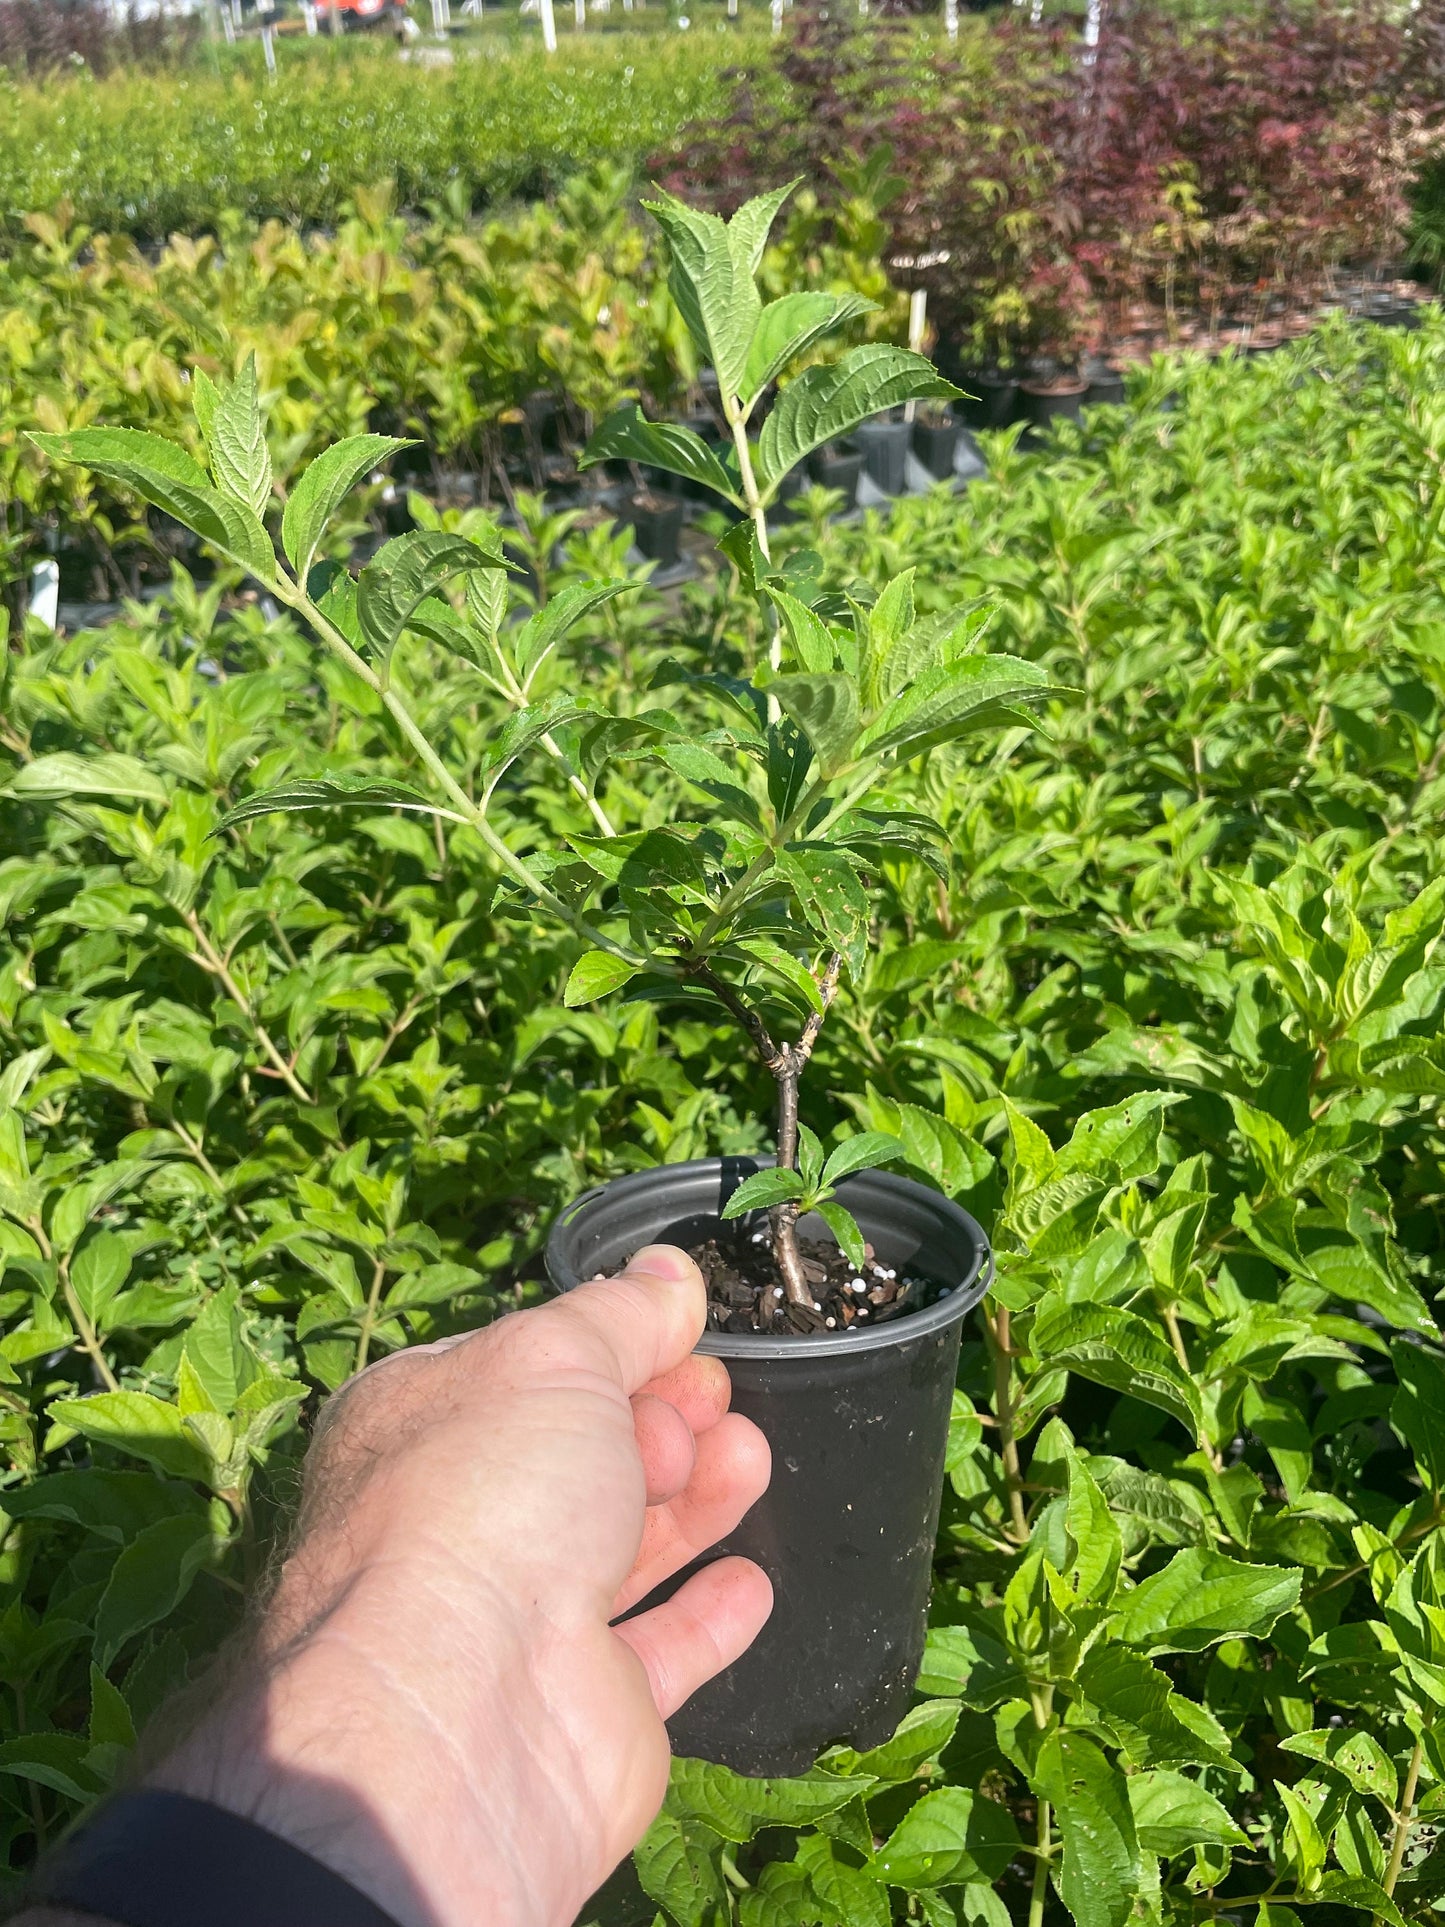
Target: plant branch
x=368 y=1316
x=85 y=1329
x=1403 y=1819
x=473 y=814
x=997 y=1326
x=211 y=959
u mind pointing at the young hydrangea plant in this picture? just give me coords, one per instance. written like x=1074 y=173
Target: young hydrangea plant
x=760 y=900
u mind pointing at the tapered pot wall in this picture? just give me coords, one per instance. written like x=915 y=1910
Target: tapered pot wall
x=858 y=1427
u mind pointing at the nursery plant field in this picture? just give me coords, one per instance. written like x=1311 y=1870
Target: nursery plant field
x=151 y=153
x=1166 y=1015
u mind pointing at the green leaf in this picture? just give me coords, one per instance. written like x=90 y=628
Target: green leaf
x=844 y=1227
x=404 y=572
x=790 y=326
x=711 y=276
x=1355 y=1754
x=921 y=1736
x=843 y=1889
x=65 y=774
x=952 y=700
x=949 y=1836
x=1418 y=1409
x=825 y=708
x=627 y=436
x=811 y=637
x=1173 y=1813
x=1202 y=1597
x=1116 y=1348
x=971 y=1662
x=1365 y=1896
x=831 y=897
x=763 y=1190
x=825 y=402
x=97 y=1272
x=135 y=1422
x=1101 y=1870
x=596 y=974
x=164 y=474
x=540 y=634
x=54 y=1760
x=861 y=1153
x=784 y=964
x=236 y=441
x=737 y=1807
x=331 y=792
x=148 y=1581
x=323 y=488
x=677 y=1864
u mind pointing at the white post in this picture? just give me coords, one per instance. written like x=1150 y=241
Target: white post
x=1036 y=13
x=308 y=14
x=436 y=19
x=732 y=9
x=228 y=25
x=549 y=26
x=44 y=603
x=862 y=9
x=1093 y=25
x=579 y=12
x=268 y=45
x=777 y=18
x=917 y=329
x=950 y=18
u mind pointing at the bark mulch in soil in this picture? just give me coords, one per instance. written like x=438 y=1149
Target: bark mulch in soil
x=745 y=1293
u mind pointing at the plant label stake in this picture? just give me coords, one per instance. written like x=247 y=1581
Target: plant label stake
x=777 y=18
x=228 y=25
x=579 y=13
x=917 y=329
x=308 y=14
x=268 y=44
x=950 y=18
x=549 y=26
x=44 y=603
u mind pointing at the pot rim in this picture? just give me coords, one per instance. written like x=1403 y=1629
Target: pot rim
x=950 y=1309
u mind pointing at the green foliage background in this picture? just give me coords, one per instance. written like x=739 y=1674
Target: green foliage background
x=275 y=1102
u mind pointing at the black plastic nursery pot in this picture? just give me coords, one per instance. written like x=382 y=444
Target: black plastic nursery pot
x=858 y=1426
x=991 y=399
x=1106 y=384
x=656 y=526
x=1041 y=403
x=885 y=452
x=936 y=444
x=837 y=466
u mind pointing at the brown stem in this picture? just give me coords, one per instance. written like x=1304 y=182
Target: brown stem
x=787 y=1063
x=783 y=1218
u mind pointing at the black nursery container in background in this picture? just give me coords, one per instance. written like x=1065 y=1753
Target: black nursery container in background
x=858 y=1426
x=990 y=398
x=885 y=452
x=838 y=465
x=656 y=523
x=935 y=442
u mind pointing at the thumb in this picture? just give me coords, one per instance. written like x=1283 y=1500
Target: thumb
x=647 y=1318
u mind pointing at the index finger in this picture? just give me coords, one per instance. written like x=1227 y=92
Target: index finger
x=648 y=1317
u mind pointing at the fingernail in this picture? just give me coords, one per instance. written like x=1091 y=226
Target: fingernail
x=664 y=1261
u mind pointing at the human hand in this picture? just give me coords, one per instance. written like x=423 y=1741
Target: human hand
x=437 y=1705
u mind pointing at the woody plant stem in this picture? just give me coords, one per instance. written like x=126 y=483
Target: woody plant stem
x=787 y=1062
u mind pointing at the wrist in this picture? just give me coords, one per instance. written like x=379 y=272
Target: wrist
x=349 y=1758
